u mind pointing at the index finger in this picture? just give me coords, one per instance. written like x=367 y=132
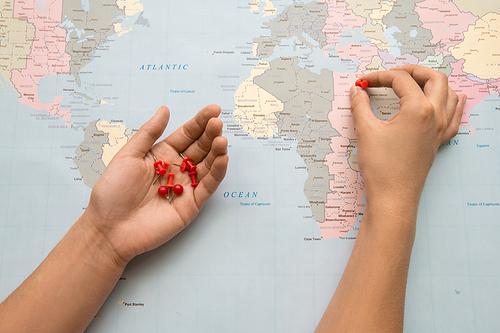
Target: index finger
x=400 y=81
x=185 y=135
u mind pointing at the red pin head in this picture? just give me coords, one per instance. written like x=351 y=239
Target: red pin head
x=362 y=83
x=178 y=189
x=184 y=167
x=163 y=191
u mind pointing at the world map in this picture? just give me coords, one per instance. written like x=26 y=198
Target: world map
x=79 y=77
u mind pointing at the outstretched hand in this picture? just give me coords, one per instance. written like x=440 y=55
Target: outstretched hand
x=126 y=208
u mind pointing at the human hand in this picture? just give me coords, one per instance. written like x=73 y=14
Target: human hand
x=395 y=156
x=126 y=209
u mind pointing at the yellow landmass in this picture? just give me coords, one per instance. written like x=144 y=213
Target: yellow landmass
x=363 y=7
x=118 y=135
x=131 y=7
x=16 y=38
x=254 y=6
x=378 y=14
x=254 y=49
x=480 y=48
x=255 y=107
x=374 y=66
x=268 y=10
x=376 y=34
x=119 y=30
x=478 y=8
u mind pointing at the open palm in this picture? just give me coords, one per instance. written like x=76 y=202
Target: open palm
x=127 y=209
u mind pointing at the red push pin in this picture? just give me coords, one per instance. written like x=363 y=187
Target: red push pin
x=163 y=191
x=184 y=167
x=160 y=169
x=362 y=83
x=178 y=189
x=193 y=178
x=170 y=183
x=186 y=164
x=170 y=180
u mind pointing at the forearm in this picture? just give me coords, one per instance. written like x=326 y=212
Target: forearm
x=65 y=292
x=370 y=296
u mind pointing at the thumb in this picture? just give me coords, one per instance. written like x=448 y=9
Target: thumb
x=146 y=136
x=361 y=110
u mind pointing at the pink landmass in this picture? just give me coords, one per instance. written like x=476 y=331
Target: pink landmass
x=343 y=206
x=388 y=61
x=339 y=19
x=364 y=53
x=48 y=55
x=446 y=22
x=475 y=91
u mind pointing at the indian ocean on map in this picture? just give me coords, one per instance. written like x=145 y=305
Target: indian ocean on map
x=287 y=95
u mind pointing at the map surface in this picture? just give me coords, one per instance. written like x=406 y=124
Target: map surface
x=79 y=77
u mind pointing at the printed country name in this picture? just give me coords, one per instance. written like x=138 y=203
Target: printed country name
x=228 y=87
x=44 y=117
x=483 y=204
x=167 y=67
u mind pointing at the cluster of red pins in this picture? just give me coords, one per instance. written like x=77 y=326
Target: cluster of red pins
x=186 y=165
x=161 y=171
x=362 y=83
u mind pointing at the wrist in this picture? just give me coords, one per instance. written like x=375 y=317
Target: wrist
x=392 y=210
x=98 y=248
